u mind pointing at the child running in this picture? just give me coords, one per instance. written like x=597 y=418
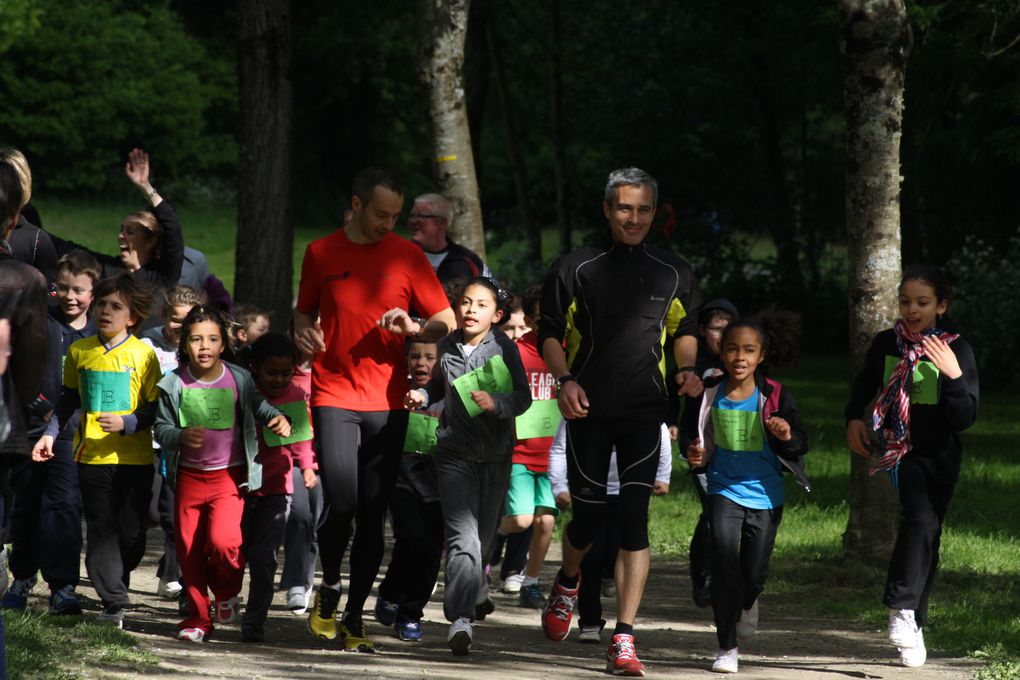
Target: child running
x=415 y=513
x=205 y=426
x=529 y=499
x=264 y=524
x=748 y=429
x=479 y=374
x=46 y=518
x=112 y=378
x=926 y=380
x=165 y=341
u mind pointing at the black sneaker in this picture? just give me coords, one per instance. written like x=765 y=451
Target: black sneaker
x=484 y=609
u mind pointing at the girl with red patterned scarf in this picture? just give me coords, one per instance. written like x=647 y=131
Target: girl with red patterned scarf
x=926 y=382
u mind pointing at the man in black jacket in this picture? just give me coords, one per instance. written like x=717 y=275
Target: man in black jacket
x=429 y=220
x=608 y=315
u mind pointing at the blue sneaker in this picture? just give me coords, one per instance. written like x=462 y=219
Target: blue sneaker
x=386 y=611
x=64 y=602
x=408 y=631
x=16 y=596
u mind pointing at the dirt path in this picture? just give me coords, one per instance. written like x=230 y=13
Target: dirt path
x=675 y=640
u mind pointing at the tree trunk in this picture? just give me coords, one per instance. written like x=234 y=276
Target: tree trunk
x=874 y=44
x=556 y=117
x=532 y=231
x=265 y=233
x=442 y=29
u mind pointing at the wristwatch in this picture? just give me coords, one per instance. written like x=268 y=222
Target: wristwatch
x=563 y=380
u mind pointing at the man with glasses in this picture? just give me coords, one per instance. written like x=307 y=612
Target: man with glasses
x=430 y=218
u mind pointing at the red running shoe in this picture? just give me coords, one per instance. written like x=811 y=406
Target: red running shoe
x=621 y=659
x=559 y=610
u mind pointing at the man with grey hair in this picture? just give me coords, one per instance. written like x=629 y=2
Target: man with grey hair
x=429 y=220
x=608 y=315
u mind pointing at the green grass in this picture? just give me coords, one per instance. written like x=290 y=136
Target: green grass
x=973 y=605
x=66 y=648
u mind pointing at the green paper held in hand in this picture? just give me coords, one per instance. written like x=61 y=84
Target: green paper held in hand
x=106 y=391
x=421 y=433
x=300 y=425
x=211 y=407
x=492 y=376
x=540 y=420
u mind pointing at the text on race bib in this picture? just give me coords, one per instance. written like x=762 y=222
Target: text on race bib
x=738 y=430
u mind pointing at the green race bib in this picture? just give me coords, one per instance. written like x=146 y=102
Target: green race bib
x=211 y=407
x=300 y=425
x=492 y=376
x=540 y=420
x=105 y=391
x=926 y=381
x=738 y=430
x=421 y=433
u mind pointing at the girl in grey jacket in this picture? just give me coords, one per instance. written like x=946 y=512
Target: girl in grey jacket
x=480 y=375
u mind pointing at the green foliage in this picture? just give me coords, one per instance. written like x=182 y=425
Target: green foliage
x=987 y=277
x=19 y=20
x=1000 y=664
x=96 y=79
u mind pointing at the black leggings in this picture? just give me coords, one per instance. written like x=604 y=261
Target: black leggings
x=742 y=543
x=590 y=445
x=358 y=463
x=915 y=558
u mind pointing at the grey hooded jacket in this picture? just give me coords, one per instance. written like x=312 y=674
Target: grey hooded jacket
x=488 y=437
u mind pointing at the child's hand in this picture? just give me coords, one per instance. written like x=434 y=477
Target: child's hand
x=414 y=399
x=484 y=400
x=309 y=477
x=942 y=355
x=660 y=488
x=674 y=431
x=279 y=425
x=110 y=423
x=563 y=500
x=43 y=449
x=857 y=438
x=696 y=454
x=400 y=322
x=192 y=437
x=779 y=428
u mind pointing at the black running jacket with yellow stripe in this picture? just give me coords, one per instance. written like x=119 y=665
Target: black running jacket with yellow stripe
x=617 y=310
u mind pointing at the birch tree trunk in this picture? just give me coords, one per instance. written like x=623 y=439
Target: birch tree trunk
x=874 y=41
x=265 y=234
x=443 y=27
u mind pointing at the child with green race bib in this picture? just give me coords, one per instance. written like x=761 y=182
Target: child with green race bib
x=748 y=431
x=926 y=380
x=112 y=377
x=480 y=375
x=273 y=358
x=206 y=426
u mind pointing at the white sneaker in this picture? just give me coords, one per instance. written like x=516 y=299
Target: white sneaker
x=112 y=616
x=459 y=637
x=902 y=628
x=726 y=661
x=591 y=633
x=914 y=657
x=298 y=598
x=512 y=583
x=169 y=589
x=748 y=623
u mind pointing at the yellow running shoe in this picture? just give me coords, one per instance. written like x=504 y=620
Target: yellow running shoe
x=322 y=619
x=353 y=633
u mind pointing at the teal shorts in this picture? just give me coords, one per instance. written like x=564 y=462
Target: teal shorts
x=529 y=491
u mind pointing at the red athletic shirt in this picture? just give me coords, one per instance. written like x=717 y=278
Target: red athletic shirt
x=352 y=285
x=534 y=453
